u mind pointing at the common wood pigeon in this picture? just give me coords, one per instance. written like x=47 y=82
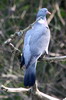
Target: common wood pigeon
x=36 y=43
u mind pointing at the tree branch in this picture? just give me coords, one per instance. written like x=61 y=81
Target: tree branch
x=58 y=58
x=59 y=14
x=14 y=89
x=41 y=95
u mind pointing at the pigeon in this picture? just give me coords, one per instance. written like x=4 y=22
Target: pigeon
x=36 y=43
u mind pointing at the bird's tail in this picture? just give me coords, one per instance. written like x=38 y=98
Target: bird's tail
x=22 y=61
x=30 y=75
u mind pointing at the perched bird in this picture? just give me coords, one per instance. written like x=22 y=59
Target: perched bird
x=36 y=43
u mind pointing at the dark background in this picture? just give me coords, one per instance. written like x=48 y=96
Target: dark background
x=16 y=15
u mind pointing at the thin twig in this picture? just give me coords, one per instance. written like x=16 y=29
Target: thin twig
x=11 y=65
x=58 y=58
x=16 y=49
x=51 y=17
x=40 y=4
x=59 y=14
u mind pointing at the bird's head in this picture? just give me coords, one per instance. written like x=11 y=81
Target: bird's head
x=43 y=12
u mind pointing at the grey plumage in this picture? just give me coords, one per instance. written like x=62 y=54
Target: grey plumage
x=36 y=42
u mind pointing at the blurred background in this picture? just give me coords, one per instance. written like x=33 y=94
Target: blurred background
x=16 y=15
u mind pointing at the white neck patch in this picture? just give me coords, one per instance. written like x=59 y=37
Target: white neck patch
x=43 y=21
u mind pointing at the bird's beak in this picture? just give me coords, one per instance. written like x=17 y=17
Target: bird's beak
x=48 y=12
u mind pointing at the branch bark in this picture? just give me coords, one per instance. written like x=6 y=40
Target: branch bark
x=43 y=95
x=14 y=89
x=58 y=58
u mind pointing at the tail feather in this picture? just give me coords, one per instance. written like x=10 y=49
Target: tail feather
x=22 y=61
x=30 y=75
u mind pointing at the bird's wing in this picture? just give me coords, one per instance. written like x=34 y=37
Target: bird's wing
x=27 y=37
x=39 y=41
x=26 y=47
